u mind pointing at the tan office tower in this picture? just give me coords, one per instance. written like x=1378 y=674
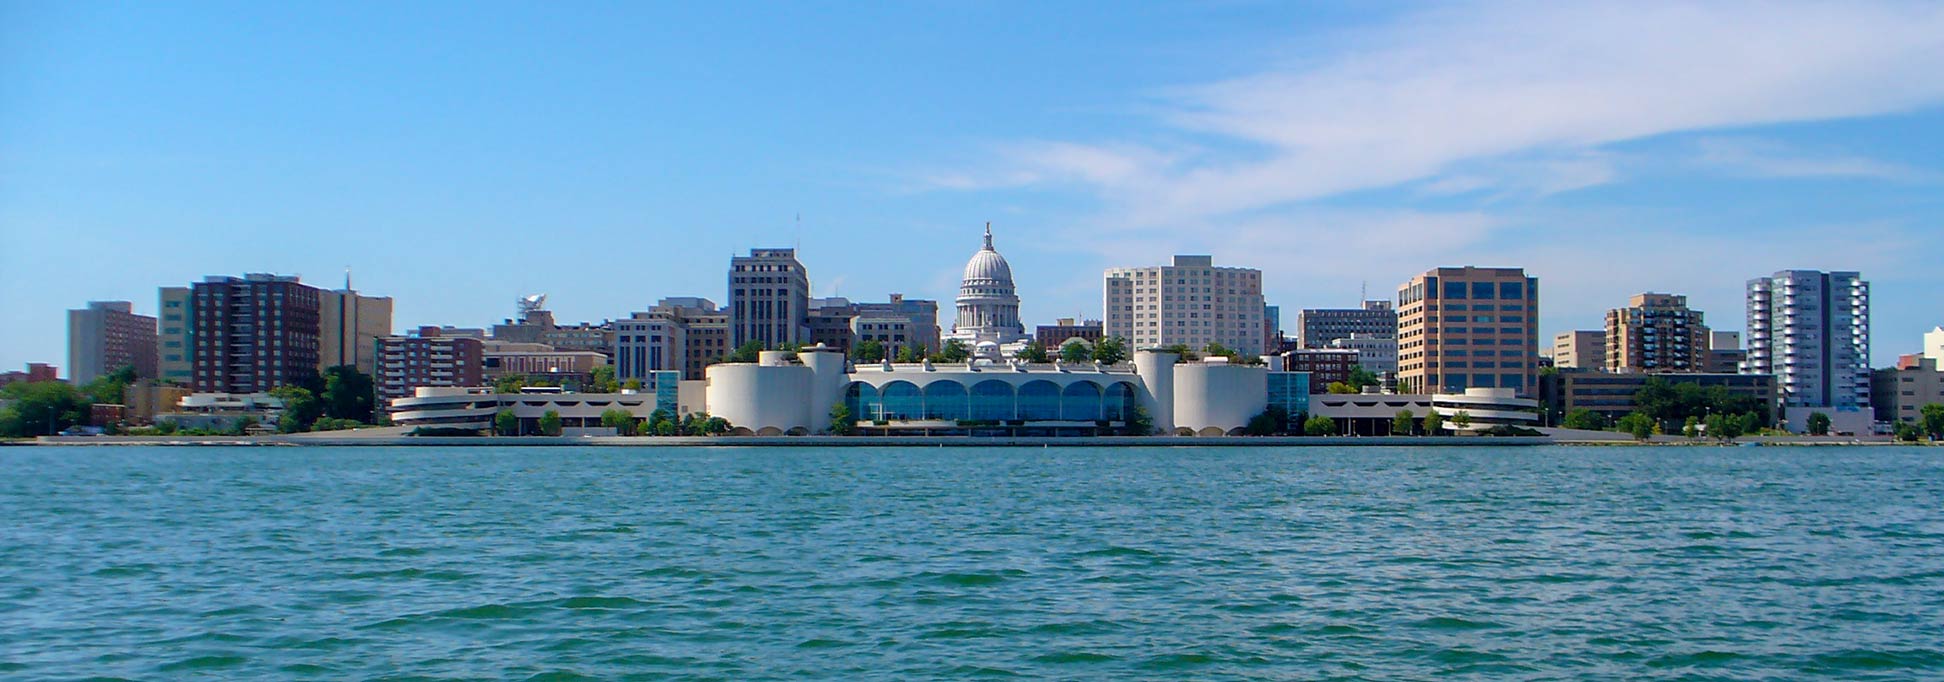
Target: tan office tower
x=1580 y=350
x=1656 y=333
x=1468 y=327
x=349 y=327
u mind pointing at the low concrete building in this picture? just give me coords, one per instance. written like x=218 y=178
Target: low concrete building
x=474 y=408
x=1612 y=394
x=1371 y=414
x=1900 y=393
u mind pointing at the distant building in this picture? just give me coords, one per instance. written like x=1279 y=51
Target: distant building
x=349 y=327
x=1468 y=327
x=646 y=343
x=769 y=299
x=538 y=362
x=175 y=340
x=1656 y=333
x=705 y=331
x=107 y=336
x=253 y=333
x=830 y=323
x=426 y=357
x=1725 y=353
x=1812 y=330
x=36 y=372
x=1317 y=327
x=920 y=317
x=1324 y=365
x=1378 y=354
x=1580 y=350
x=1371 y=414
x=535 y=324
x=1899 y=394
x=1192 y=302
x=1934 y=344
x=1052 y=336
x=474 y=408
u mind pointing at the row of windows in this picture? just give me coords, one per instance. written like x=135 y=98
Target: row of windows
x=991 y=400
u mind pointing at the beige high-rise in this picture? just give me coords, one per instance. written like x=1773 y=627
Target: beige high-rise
x=1656 y=333
x=1468 y=327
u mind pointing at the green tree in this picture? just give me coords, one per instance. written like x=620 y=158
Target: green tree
x=603 y=380
x=750 y=351
x=1139 y=422
x=1340 y=388
x=41 y=408
x=348 y=394
x=953 y=352
x=715 y=426
x=241 y=425
x=1217 y=350
x=1638 y=424
x=1818 y=424
x=550 y=423
x=1110 y=351
x=841 y=421
x=1181 y=350
x=1908 y=432
x=1319 y=426
x=618 y=419
x=910 y=353
x=1263 y=424
x=301 y=410
x=1461 y=420
x=506 y=423
x=1584 y=419
x=1931 y=420
x=1075 y=353
x=1404 y=423
x=110 y=388
x=868 y=350
x=1433 y=423
x=1033 y=352
x=1360 y=377
x=510 y=383
x=1692 y=428
x=631 y=385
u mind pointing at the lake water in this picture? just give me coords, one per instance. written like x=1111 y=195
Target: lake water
x=899 y=564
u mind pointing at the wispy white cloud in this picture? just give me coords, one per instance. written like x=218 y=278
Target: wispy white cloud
x=1769 y=159
x=1456 y=97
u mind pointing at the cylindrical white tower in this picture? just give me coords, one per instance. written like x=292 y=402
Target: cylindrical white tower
x=1156 y=370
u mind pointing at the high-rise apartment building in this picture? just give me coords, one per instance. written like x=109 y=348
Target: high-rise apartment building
x=175 y=339
x=1656 y=333
x=1191 y=302
x=425 y=357
x=1581 y=349
x=107 y=336
x=769 y=299
x=349 y=327
x=1317 y=327
x=1468 y=327
x=1812 y=329
x=253 y=333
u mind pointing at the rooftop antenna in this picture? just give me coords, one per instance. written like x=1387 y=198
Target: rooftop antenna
x=1363 y=292
x=798 y=236
x=347 y=278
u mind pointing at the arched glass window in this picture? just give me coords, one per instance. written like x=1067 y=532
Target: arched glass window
x=992 y=399
x=903 y=401
x=945 y=400
x=1080 y=402
x=1120 y=402
x=862 y=399
x=1039 y=401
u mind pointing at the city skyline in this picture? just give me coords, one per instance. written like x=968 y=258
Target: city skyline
x=455 y=186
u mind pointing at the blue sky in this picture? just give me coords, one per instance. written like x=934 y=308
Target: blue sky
x=457 y=156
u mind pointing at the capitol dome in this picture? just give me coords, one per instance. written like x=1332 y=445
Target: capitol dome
x=988 y=306
x=987 y=266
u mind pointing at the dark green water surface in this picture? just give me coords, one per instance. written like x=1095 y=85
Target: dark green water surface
x=899 y=564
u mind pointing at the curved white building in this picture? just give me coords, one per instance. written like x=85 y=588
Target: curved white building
x=781 y=395
x=473 y=409
x=988 y=304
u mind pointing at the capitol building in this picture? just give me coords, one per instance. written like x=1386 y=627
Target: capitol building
x=988 y=306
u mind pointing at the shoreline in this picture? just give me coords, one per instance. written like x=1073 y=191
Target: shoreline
x=381 y=440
